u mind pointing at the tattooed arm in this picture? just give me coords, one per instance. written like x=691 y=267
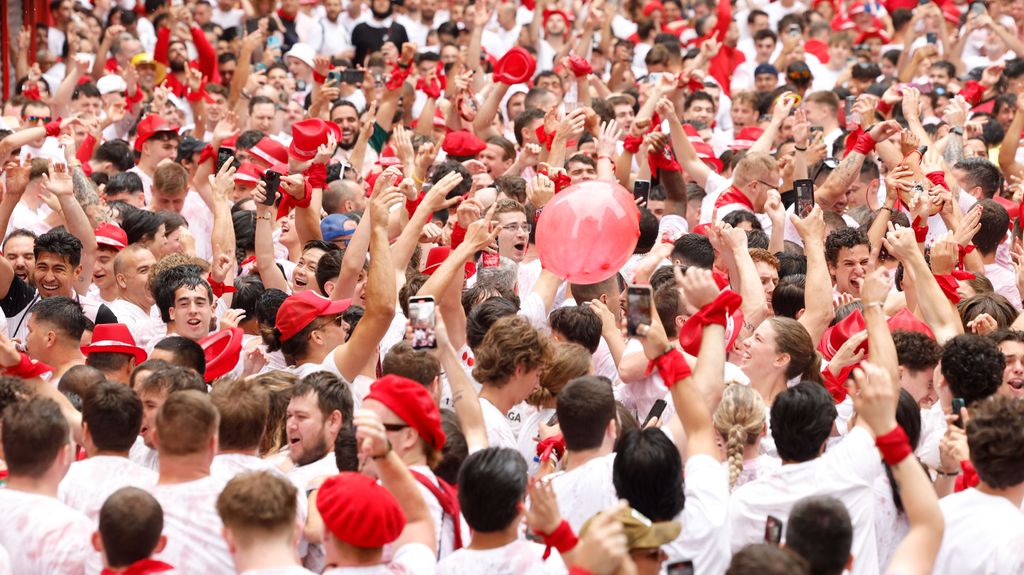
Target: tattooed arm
x=85 y=193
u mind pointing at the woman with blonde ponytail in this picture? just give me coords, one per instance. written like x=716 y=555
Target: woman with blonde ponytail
x=741 y=422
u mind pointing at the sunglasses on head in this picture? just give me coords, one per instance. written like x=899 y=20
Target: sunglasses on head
x=43 y=119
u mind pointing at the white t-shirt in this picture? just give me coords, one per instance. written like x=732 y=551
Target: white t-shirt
x=703 y=539
x=499 y=431
x=142 y=455
x=42 y=535
x=25 y=218
x=5 y=562
x=528 y=439
x=143 y=327
x=444 y=526
x=313 y=555
x=846 y=472
x=193 y=527
x=517 y=558
x=978 y=525
x=91 y=481
x=585 y=491
x=410 y=559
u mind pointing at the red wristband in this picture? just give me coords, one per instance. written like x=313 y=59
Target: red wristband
x=316 y=175
x=579 y=571
x=632 y=144
x=938 y=178
x=920 y=228
x=884 y=108
x=554 y=445
x=562 y=539
x=219 y=288
x=53 y=128
x=28 y=368
x=948 y=285
x=865 y=144
x=319 y=78
x=672 y=367
x=894 y=446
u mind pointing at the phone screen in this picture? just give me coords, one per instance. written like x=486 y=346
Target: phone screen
x=638 y=308
x=804 y=196
x=680 y=568
x=850 y=115
x=958 y=404
x=773 y=530
x=642 y=190
x=352 y=77
x=224 y=156
x=273 y=181
x=421 y=316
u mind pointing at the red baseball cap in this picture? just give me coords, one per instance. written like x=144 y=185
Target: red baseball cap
x=299 y=310
x=413 y=404
x=359 y=511
x=150 y=126
x=746 y=137
x=462 y=144
x=222 y=350
x=904 y=320
x=111 y=235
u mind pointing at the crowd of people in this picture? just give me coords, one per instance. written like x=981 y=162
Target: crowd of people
x=280 y=294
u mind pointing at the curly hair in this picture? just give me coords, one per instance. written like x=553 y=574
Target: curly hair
x=568 y=361
x=916 y=351
x=509 y=344
x=995 y=435
x=973 y=367
x=739 y=420
x=844 y=238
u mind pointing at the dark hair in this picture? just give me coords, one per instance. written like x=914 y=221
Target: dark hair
x=244 y=224
x=766 y=559
x=346 y=449
x=666 y=302
x=105 y=362
x=648 y=473
x=140 y=225
x=447 y=167
x=820 y=530
x=249 y=291
x=483 y=316
x=187 y=353
x=266 y=309
x=113 y=413
x=169 y=281
x=585 y=407
x=130 y=524
x=455 y=450
x=665 y=276
x=63 y=313
x=492 y=485
x=170 y=379
x=742 y=216
x=916 y=351
x=578 y=324
x=648 y=232
x=61 y=243
x=694 y=250
x=994 y=223
x=802 y=418
x=125 y=182
x=699 y=95
x=249 y=138
x=119 y=154
x=979 y=172
x=417 y=365
x=788 y=296
x=844 y=238
x=972 y=366
x=994 y=435
x=327 y=268
x=332 y=394
x=34 y=431
x=994 y=304
x=791 y=264
x=523 y=120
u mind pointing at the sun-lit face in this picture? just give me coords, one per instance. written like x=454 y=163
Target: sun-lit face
x=306 y=429
x=759 y=355
x=151 y=402
x=850 y=268
x=304 y=275
x=191 y=312
x=103 y=269
x=1013 y=373
x=18 y=251
x=54 y=275
x=514 y=237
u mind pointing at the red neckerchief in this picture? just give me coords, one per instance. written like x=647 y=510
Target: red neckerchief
x=285 y=17
x=141 y=567
x=448 y=499
x=734 y=196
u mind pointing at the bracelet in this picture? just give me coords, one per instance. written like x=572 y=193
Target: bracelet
x=885 y=208
x=385 y=454
x=878 y=304
x=894 y=446
x=942 y=473
x=266 y=217
x=604 y=157
x=799 y=149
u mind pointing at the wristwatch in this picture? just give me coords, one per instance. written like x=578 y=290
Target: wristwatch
x=956 y=130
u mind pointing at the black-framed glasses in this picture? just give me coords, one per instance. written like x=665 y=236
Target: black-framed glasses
x=394 y=426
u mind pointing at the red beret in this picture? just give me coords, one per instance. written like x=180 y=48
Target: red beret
x=905 y=321
x=462 y=144
x=359 y=511
x=413 y=404
x=835 y=336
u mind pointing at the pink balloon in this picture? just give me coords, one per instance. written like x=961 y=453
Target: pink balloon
x=588 y=231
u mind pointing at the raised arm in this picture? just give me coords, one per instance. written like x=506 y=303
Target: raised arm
x=61 y=185
x=818 y=311
x=872 y=296
x=464 y=397
x=686 y=155
x=938 y=313
x=732 y=245
x=1011 y=142
x=381 y=294
x=266 y=264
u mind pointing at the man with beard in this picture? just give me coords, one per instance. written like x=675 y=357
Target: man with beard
x=174 y=54
x=18 y=251
x=369 y=36
x=346 y=116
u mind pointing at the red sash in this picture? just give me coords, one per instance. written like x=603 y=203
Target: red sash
x=142 y=567
x=448 y=498
x=734 y=196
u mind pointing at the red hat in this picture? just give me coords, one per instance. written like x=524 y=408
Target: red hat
x=436 y=257
x=858 y=8
x=222 y=350
x=114 y=338
x=835 y=336
x=690 y=334
x=515 y=67
x=359 y=511
x=249 y=173
x=869 y=34
x=149 y=126
x=818 y=48
x=462 y=144
x=707 y=155
x=299 y=310
x=111 y=235
x=951 y=13
x=413 y=404
x=308 y=135
x=905 y=321
x=270 y=151
x=565 y=16
x=746 y=137
x=650 y=7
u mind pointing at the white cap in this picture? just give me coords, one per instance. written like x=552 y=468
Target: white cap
x=111 y=83
x=303 y=53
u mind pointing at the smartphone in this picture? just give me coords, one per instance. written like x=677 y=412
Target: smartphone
x=421 y=316
x=773 y=530
x=274 y=42
x=958 y=405
x=978 y=8
x=680 y=568
x=851 y=117
x=334 y=76
x=642 y=190
x=932 y=38
x=553 y=421
x=225 y=155
x=638 y=307
x=656 y=410
x=272 y=180
x=352 y=77
x=804 y=196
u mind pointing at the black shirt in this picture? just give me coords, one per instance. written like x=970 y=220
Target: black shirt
x=368 y=38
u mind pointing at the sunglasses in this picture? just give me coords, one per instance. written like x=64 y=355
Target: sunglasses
x=43 y=119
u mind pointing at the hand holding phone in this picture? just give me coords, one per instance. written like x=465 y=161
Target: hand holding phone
x=804 y=196
x=958 y=405
x=642 y=191
x=656 y=410
x=638 y=308
x=422 y=318
x=272 y=180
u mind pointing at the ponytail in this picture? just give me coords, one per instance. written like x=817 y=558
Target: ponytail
x=739 y=419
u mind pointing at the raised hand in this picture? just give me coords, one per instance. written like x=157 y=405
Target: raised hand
x=540 y=191
x=810 y=227
x=698 y=286
x=874 y=397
